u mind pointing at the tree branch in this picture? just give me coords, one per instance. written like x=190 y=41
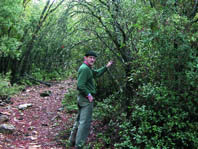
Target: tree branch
x=194 y=9
x=151 y=3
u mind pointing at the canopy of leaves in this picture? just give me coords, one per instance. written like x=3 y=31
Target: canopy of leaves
x=11 y=27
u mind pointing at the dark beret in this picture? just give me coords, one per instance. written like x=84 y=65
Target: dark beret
x=91 y=53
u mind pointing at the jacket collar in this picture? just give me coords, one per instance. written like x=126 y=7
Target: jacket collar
x=85 y=62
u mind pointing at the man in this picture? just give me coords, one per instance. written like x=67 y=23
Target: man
x=87 y=89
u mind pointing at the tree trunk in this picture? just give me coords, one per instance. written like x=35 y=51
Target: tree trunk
x=25 y=63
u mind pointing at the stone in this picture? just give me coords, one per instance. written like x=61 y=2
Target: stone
x=24 y=106
x=5 y=113
x=7 y=128
x=60 y=109
x=3 y=118
x=2 y=104
x=45 y=93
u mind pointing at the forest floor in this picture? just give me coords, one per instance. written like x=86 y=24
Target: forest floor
x=40 y=125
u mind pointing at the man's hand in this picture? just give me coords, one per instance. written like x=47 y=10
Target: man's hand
x=90 y=97
x=109 y=64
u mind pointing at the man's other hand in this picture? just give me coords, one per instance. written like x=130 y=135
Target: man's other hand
x=109 y=64
x=90 y=97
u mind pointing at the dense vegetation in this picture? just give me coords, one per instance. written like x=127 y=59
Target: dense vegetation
x=149 y=96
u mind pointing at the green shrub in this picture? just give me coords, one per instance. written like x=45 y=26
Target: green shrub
x=109 y=108
x=70 y=100
x=6 y=89
x=163 y=121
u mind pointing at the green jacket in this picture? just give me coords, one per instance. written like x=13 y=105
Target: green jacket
x=86 y=76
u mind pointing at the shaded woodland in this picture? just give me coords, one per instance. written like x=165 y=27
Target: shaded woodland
x=148 y=99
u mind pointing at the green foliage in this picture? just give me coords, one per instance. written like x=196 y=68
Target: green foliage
x=164 y=121
x=11 y=30
x=109 y=111
x=46 y=76
x=43 y=75
x=70 y=101
x=164 y=70
x=160 y=120
x=6 y=89
x=109 y=105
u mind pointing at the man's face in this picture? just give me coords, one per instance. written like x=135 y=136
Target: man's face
x=90 y=60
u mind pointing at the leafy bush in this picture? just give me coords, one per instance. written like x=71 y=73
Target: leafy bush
x=109 y=111
x=162 y=121
x=70 y=101
x=110 y=108
x=6 y=89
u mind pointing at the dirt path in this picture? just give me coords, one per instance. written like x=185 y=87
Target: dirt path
x=38 y=125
